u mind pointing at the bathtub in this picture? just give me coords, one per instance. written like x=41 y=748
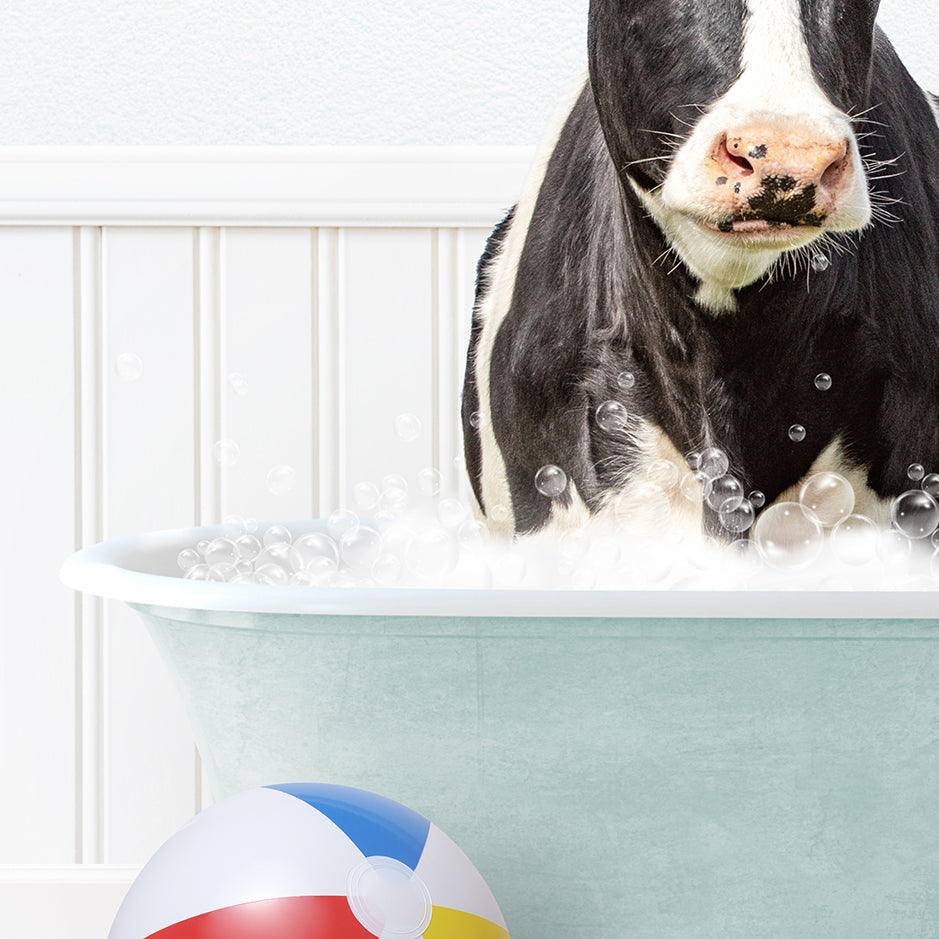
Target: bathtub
x=616 y=764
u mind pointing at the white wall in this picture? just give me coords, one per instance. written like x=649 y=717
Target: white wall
x=311 y=72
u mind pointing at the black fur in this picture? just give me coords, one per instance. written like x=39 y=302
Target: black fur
x=590 y=302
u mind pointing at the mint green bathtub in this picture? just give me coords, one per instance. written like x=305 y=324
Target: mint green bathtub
x=616 y=764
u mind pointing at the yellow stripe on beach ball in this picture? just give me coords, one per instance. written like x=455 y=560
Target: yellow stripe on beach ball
x=455 y=924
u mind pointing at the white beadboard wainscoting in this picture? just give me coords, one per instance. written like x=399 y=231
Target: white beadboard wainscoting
x=291 y=301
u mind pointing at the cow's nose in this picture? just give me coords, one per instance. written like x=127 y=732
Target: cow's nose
x=789 y=175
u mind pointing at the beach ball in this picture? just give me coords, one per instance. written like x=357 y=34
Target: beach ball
x=309 y=861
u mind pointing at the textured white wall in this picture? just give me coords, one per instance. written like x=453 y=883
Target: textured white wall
x=310 y=72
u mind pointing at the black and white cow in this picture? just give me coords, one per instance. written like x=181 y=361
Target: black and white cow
x=741 y=196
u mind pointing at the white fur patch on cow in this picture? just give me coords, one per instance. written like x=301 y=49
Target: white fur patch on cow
x=493 y=309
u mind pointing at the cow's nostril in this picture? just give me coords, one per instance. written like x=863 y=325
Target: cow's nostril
x=745 y=167
x=835 y=170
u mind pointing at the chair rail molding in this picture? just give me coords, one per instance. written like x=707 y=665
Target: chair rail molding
x=209 y=186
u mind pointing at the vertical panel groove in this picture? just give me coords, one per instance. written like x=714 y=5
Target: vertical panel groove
x=447 y=354
x=330 y=350
x=90 y=747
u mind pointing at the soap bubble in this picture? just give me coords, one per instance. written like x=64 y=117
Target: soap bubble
x=930 y=484
x=365 y=495
x=551 y=481
x=128 y=366
x=829 y=496
x=915 y=513
x=202 y=545
x=725 y=494
x=893 y=547
x=612 y=417
x=360 y=547
x=227 y=452
x=695 y=486
x=915 y=472
x=429 y=481
x=188 y=558
x=408 y=427
x=272 y=575
x=394 y=501
x=823 y=381
x=303 y=579
x=220 y=551
x=473 y=535
x=341 y=521
x=451 y=512
x=197 y=572
x=713 y=462
x=281 y=479
x=663 y=473
x=233 y=526
x=394 y=481
x=238 y=383
x=387 y=569
x=431 y=554
x=475 y=419
x=737 y=519
x=499 y=513
x=787 y=536
x=626 y=380
x=693 y=458
x=854 y=540
x=279 y=553
x=276 y=534
x=820 y=262
x=221 y=572
x=757 y=499
x=797 y=433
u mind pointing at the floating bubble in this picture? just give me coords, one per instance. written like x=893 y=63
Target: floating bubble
x=271 y=575
x=797 y=433
x=663 y=473
x=188 y=558
x=238 y=383
x=429 y=481
x=473 y=535
x=823 y=381
x=725 y=494
x=387 y=569
x=854 y=540
x=431 y=553
x=893 y=547
x=341 y=521
x=930 y=484
x=626 y=380
x=221 y=572
x=551 y=481
x=221 y=551
x=499 y=513
x=128 y=366
x=360 y=547
x=227 y=452
x=202 y=545
x=394 y=481
x=451 y=512
x=407 y=427
x=365 y=495
x=612 y=417
x=915 y=472
x=820 y=262
x=737 y=519
x=693 y=458
x=695 y=486
x=915 y=513
x=233 y=526
x=787 y=536
x=281 y=479
x=276 y=534
x=475 y=419
x=713 y=462
x=829 y=496
x=757 y=499
x=197 y=572
x=394 y=501
x=303 y=579
x=279 y=552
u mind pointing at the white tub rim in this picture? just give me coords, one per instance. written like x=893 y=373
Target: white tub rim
x=113 y=569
